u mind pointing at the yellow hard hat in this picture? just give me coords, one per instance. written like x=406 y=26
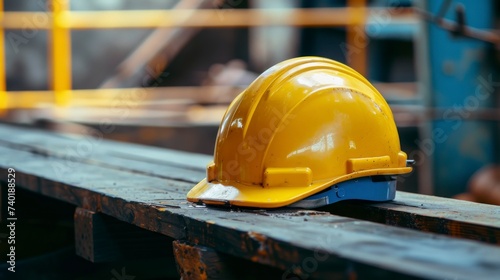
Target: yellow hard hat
x=302 y=127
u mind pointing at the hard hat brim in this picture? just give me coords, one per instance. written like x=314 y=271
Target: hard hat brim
x=237 y=194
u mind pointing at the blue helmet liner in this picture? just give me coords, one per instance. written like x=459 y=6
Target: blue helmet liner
x=372 y=188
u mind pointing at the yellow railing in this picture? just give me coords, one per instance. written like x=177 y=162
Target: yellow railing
x=60 y=54
x=60 y=21
x=3 y=76
x=312 y=17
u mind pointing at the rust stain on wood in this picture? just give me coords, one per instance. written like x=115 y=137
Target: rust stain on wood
x=190 y=264
x=262 y=250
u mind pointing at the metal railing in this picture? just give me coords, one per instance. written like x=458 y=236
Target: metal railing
x=61 y=21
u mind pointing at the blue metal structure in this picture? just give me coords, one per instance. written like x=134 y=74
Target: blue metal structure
x=459 y=85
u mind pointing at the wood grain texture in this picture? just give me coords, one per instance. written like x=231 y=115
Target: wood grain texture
x=200 y=262
x=452 y=217
x=92 y=148
x=427 y=213
x=310 y=244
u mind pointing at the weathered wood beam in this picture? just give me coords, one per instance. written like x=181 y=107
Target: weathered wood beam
x=100 y=238
x=200 y=262
x=451 y=217
x=427 y=213
x=286 y=239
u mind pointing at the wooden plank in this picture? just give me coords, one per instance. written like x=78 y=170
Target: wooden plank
x=290 y=240
x=92 y=141
x=452 y=217
x=99 y=238
x=92 y=148
x=433 y=214
x=200 y=262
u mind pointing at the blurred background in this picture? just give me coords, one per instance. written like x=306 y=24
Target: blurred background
x=162 y=73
